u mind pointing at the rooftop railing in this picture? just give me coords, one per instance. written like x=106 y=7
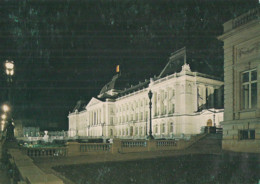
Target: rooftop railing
x=247 y=17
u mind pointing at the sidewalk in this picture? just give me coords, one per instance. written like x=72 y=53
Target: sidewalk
x=4 y=178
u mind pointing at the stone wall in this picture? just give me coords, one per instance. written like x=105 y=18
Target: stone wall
x=28 y=172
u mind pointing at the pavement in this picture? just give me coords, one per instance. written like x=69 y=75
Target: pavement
x=4 y=178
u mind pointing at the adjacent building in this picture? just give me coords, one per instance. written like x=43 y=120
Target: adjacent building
x=241 y=126
x=183 y=102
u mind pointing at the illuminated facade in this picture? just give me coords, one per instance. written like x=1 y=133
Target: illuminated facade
x=183 y=102
x=241 y=126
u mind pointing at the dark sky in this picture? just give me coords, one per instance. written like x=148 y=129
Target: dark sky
x=66 y=50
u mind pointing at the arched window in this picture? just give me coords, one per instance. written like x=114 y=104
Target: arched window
x=171 y=127
x=209 y=123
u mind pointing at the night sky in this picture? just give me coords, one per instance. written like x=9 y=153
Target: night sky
x=66 y=50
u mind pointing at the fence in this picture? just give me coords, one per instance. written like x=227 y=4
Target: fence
x=132 y=145
x=45 y=152
x=94 y=147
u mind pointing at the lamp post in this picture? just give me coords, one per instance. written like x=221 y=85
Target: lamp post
x=150 y=95
x=9 y=70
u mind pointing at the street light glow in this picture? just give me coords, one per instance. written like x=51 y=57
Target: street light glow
x=12 y=72
x=2 y=122
x=3 y=116
x=5 y=108
x=9 y=65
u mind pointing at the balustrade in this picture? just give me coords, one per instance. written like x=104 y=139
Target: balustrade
x=134 y=144
x=166 y=143
x=47 y=152
x=243 y=19
x=88 y=147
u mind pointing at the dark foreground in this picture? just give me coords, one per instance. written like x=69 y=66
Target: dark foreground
x=225 y=168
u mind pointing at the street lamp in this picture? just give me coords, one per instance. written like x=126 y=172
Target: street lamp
x=150 y=95
x=2 y=125
x=5 y=108
x=9 y=70
x=3 y=116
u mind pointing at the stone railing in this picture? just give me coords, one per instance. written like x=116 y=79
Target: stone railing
x=245 y=18
x=76 y=149
x=161 y=143
x=94 y=147
x=45 y=152
x=133 y=143
x=118 y=146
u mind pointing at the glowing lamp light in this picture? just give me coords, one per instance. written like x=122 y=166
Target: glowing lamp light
x=2 y=122
x=9 y=67
x=5 y=108
x=3 y=116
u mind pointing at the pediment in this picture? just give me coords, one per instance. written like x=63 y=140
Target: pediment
x=93 y=101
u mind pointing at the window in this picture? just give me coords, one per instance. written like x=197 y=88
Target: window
x=136 y=130
x=246 y=134
x=163 y=128
x=156 y=129
x=249 y=89
x=173 y=108
x=171 y=127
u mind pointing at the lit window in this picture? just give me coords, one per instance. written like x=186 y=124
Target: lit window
x=249 y=89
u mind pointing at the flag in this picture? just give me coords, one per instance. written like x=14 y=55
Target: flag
x=117 y=68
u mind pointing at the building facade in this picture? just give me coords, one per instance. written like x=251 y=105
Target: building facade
x=182 y=103
x=241 y=126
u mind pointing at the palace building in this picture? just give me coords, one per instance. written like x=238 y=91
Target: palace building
x=183 y=102
x=241 y=126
